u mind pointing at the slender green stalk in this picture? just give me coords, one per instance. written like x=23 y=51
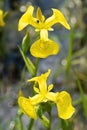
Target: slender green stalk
x=30 y=126
x=50 y=119
x=82 y=94
x=22 y=77
x=66 y=125
x=18 y=121
x=36 y=68
x=70 y=51
x=21 y=123
x=84 y=100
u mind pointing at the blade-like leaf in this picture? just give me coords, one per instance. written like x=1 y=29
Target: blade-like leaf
x=25 y=42
x=84 y=100
x=30 y=66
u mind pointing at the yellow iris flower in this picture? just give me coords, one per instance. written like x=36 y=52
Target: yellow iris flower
x=39 y=22
x=2 y=23
x=43 y=47
x=61 y=99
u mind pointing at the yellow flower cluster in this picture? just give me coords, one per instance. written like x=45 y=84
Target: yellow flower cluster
x=2 y=23
x=61 y=99
x=43 y=47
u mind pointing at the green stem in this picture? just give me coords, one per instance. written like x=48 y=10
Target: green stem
x=30 y=124
x=50 y=119
x=22 y=77
x=69 y=57
x=84 y=100
x=36 y=65
x=21 y=123
x=82 y=94
x=36 y=68
x=19 y=120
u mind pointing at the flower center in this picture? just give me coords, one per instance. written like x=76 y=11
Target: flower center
x=38 y=21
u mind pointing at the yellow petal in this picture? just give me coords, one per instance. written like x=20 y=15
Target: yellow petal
x=41 y=77
x=40 y=15
x=50 y=87
x=26 y=18
x=44 y=35
x=64 y=105
x=42 y=82
x=27 y=107
x=51 y=96
x=38 y=98
x=57 y=17
x=36 y=89
x=43 y=49
x=2 y=23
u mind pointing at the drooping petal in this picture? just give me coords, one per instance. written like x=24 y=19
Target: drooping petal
x=27 y=107
x=43 y=49
x=64 y=105
x=2 y=23
x=57 y=17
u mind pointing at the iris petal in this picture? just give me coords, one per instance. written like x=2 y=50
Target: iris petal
x=39 y=15
x=41 y=80
x=64 y=105
x=57 y=17
x=27 y=107
x=27 y=18
x=43 y=49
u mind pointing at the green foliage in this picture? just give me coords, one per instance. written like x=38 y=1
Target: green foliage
x=25 y=42
x=28 y=62
x=83 y=97
x=70 y=50
x=66 y=125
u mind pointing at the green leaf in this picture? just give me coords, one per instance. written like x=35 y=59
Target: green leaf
x=30 y=66
x=6 y=15
x=45 y=121
x=84 y=100
x=66 y=125
x=25 y=42
x=42 y=108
